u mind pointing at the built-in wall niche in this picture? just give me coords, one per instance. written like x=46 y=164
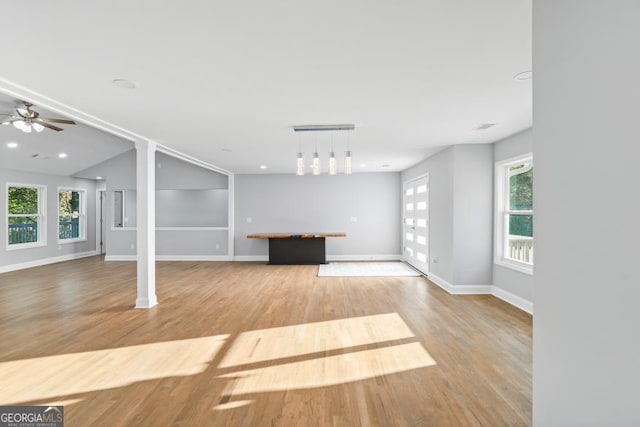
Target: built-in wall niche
x=124 y=208
x=192 y=208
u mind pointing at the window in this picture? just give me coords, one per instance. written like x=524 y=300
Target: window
x=72 y=224
x=25 y=216
x=514 y=213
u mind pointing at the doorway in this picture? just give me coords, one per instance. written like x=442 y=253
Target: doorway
x=415 y=223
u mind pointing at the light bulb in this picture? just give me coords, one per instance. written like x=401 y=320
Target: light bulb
x=332 y=163
x=316 y=164
x=26 y=128
x=347 y=162
x=37 y=127
x=300 y=169
x=19 y=124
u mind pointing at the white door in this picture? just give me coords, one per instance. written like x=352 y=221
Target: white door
x=415 y=223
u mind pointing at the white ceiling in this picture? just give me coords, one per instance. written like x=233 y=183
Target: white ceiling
x=413 y=76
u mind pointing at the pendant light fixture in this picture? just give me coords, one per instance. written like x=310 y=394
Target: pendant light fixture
x=347 y=158
x=300 y=161
x=332 y=159
x=315 y=163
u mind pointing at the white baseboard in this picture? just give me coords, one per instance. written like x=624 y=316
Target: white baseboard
x=170 y=258
x=384 y=257
x=192 y=258
x=120 y=257
x=512 y=299
x=46 y=261
x=263 y=258
x=459 y=289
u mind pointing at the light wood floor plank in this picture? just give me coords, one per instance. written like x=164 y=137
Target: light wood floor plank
x=246 y=344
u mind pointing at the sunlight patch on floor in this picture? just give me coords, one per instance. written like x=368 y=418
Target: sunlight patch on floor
x=68 y=374
x=277 y=343
x=332 y=370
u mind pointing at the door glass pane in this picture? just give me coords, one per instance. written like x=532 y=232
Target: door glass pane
x=421 y=240
x=421 y=206
x=422 y=223
x=408 y=221
x=409 y=250
x=408 y=191
x=422 y=188
x=421 y=257
x=409 y=236
x=409 y=207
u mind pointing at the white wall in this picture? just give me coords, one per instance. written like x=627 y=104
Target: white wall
x=460 y=216
x=13 y=259
x=176 y=182
x=473 y=215
x=290 y=203
x=586 y=95
x=506 y=279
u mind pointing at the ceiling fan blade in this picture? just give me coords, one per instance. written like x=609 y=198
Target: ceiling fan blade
x=48 y=125
x=66 y=122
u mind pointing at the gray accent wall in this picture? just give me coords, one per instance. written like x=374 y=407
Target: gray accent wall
x=52 y=249
x=507 y=279
x=364 y=205
x=460 y=213
x=586 y=139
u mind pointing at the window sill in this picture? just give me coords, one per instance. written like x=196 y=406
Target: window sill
x=515 y=265
x=67 y=241
x=17 y=246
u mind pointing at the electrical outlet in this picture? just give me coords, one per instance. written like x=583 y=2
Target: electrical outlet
x=217 y=245
x=435 y=260
x=133 y=246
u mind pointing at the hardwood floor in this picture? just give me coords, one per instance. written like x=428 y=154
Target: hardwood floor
x=246 y=344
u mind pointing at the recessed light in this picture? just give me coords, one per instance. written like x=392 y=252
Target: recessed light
x=227 y=150
x=263 y=166
x=384 y=166
x=12 y=144
x=62 y=155
x=523 y=76
x=363 y=165
x=125 y=84
x=98 y=177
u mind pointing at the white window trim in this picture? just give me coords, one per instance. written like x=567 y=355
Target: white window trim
x=501 y=192
x=42 y=217
x=82 y=215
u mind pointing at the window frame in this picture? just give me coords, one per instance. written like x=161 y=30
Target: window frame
x=82 y=216
x=41 y=215
x=503 y=212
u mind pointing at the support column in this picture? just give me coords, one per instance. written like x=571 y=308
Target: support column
x=146 y=223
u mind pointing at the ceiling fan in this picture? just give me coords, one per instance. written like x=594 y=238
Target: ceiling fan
x=27 y=120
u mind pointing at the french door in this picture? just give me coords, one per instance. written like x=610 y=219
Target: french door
x=415 y=223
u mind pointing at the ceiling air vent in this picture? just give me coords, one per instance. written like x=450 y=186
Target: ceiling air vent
x=483 y=126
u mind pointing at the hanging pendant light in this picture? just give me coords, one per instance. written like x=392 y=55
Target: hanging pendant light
x=347 y=162
x=332 y=163
x=332 y=159
x=315 y=166
x=300 y=168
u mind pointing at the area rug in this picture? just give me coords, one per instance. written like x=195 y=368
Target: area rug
x=366 y=269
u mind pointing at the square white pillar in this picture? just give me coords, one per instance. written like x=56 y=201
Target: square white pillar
x=146 y=224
